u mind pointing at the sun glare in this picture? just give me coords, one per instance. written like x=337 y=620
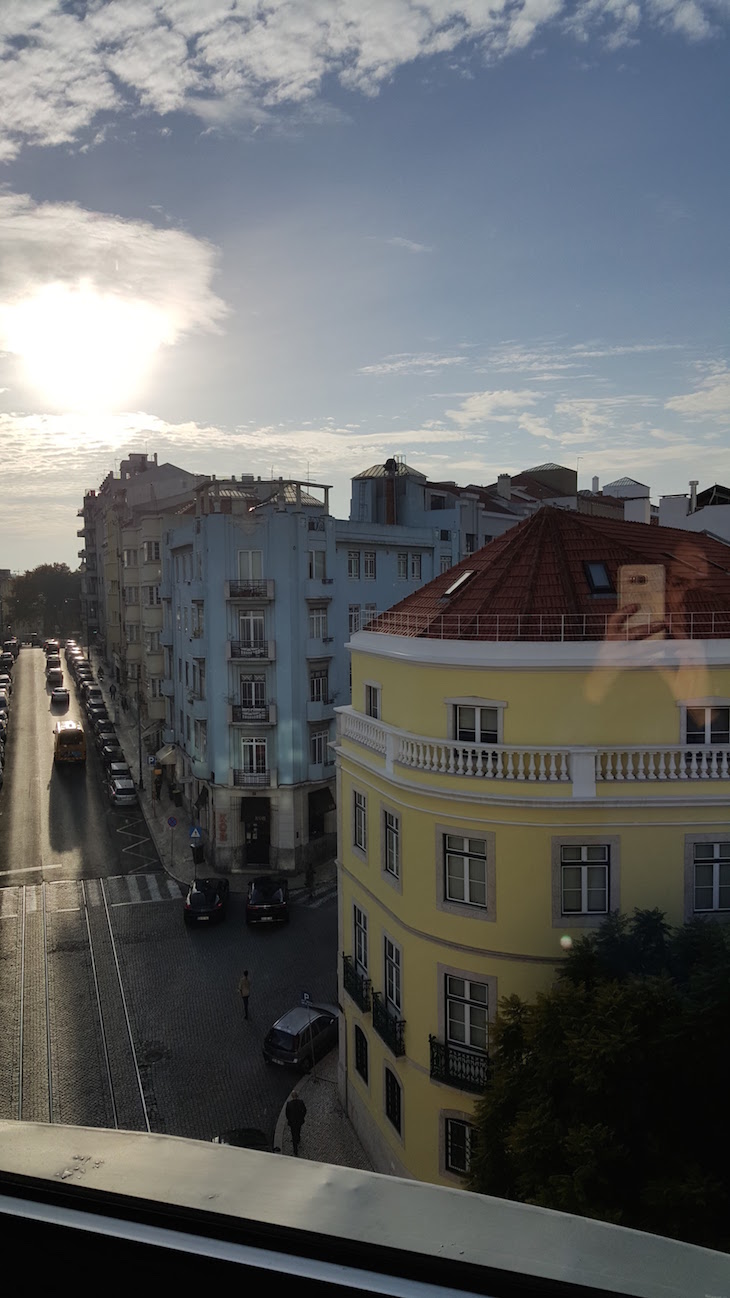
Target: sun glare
x=84 y=349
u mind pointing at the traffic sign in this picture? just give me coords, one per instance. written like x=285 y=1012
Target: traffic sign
x=195 y=832
x=305 y=998
x=151 y=759
x=171 y=821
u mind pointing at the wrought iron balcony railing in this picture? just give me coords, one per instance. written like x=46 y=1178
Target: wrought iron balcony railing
x=466 y=1069
x=387 y=1026
x=356 y=984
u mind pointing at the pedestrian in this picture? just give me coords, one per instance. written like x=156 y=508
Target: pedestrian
x=244 y=988
x=123 y=702
x=296 y=1112
x=112 y=691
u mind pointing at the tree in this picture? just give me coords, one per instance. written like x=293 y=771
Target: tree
x=46 y=599
x=607 y=1095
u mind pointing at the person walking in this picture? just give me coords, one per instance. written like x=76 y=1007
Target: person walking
x=244 y=988
x=112 y=691
x=296 y=1112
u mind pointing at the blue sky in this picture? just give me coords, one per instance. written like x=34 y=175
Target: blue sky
x=309 y=235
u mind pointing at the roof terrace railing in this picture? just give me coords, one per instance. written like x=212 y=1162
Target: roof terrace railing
x=710 y=625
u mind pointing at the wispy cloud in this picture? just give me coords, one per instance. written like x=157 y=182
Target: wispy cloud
x=412 y=363
x=480 y=407
x=223 y=61
x=711 y=398
x=410 y=246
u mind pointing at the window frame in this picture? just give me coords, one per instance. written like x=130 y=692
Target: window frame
x=391 y=848
x=581 y=919
x=313 y=564
x=402 y=567
x=360 y=939
x=416 y=566
x=256 y=744
x=452 y=998
x=318 y=739
x=361 y=1054
x=360 y=823
x=316 y=694
x=353 y=565
x=496 y=705
x=372 y=691
x=388 y=1090
x=462 y=1120
x=317 y=621
x=369 y=566
x=353 y=619
x=694 y=705
x=690 y=842
x=392 y=965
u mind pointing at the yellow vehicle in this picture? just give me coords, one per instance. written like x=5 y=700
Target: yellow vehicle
x=69 y=742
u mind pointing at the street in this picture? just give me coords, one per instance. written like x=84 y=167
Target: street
x=114 y=1012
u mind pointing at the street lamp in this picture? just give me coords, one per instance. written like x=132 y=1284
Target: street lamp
x=139 y=734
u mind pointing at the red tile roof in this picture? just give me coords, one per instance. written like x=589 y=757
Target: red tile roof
x=537 y=569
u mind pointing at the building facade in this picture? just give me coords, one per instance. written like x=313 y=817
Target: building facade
x=513 y=766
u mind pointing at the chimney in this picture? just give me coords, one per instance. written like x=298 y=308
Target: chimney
x=693 y=485
x=504 y=486
x=594 y=486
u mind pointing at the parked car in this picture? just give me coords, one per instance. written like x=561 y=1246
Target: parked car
x=59 y=696
x=52 y=661
x=6 y=683
x=3 y=726
x=110 y=753
x=302 y=1036
x=267 y=901
x=4 y=701
x=122 y=791
x=7 y=662
x=54 y=677
x=51 y=647
x=96 y=712
x=104 y=732
x=119 y=771
x=207 y=901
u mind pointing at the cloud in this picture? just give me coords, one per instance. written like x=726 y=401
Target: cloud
x=412 y=363
x=408 y=244
x=223 y=61
x=481 y=406
x=710 y=400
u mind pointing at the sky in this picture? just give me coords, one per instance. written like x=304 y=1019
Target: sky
x=302 y=236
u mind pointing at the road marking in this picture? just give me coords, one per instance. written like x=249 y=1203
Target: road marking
x=29 y=869
x=133 y=886
x=152 y=885
x=113 y=904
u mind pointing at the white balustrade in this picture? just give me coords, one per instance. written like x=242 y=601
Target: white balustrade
x=693 y=762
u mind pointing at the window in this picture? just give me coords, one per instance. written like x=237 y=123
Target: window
x=185 y=619
x=465 y=869
x=182 y=724
x=198 y=612
x=369 y=558
x=393 y=1099
x=129 y=558
x=444 y=534
x=584 y=880
x=391 y=854
x=317 y=565
x=402 y=565
x=131 y=594
x=187 y=672
x=438 y=502
x=467 y=1013
x=179 y=670
x=188 y=729
x=361 y=938
x=460 y=1146
x=151 y=595
x=250 y=565
x=254 y=756
x=415 y=567
x=152 y=642
x=360 y=805
x=201 y=737
x=470 y=542
x=598 y=579
x=708 y=725
x=369 y=612
x=319 y=686
x=199 y=679
x=131 y=630
x=251 y=628
x=154 y=687
x=318 y=742
x=476 y=725
x=353 y=563
x=151 y=552
x=392 y=975
x=372 y=701
x=712 y=876
x=318 y=622
x=445 y=563
x=361 y=1053
x=253 y=691
x=353 y=618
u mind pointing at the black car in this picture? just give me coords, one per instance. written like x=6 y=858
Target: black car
x=207 y=901
x=104 y=732
x=110 y=753
x=267 y=901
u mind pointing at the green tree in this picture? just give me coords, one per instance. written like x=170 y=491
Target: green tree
x=46 y=599
x=607 y=1094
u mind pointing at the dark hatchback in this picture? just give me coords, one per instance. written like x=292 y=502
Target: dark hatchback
x=302 y=1036
x=267 y=901
x=207 y=901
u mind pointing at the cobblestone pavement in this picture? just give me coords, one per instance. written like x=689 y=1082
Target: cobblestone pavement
x=327 y=1135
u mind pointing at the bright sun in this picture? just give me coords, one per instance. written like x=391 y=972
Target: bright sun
x=84 y=349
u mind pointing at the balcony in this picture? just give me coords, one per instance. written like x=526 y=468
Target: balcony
x=320 y=709
x=467 y=1070
x=168 y=736
x=253 y=779
x=582 y=771
x=320 y=647
x=244 y=589
x=545 y=627
x=167 y=689
x=200 y=707
x=238 y=715
x=245 y=650
x=356 y=984
x=389 y=1028
x=166 y=636
x=197 y=643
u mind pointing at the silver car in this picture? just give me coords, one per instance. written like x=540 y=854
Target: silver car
x=302 y=1036
x=122 y=791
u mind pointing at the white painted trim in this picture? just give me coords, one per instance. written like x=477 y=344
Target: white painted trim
x=539 y=655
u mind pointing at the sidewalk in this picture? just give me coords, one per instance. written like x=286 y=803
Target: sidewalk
x=327 y=1135
x=173 y=845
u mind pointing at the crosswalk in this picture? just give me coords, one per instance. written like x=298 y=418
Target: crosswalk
x=64 y=895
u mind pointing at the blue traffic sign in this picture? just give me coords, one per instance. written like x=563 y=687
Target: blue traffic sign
x=171 y=821
x=195 y=832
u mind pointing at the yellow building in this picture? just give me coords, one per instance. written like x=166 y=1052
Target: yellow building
x=531 y=744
